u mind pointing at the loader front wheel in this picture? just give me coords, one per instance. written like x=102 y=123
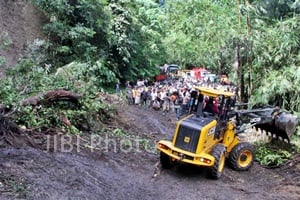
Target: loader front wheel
x=165 y=161
x=218 y=152
x=241 y=157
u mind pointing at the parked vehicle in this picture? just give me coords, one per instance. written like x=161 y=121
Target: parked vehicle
x=167 y=72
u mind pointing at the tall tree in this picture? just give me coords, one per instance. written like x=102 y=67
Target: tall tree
x=198 y=32
x=136 y=46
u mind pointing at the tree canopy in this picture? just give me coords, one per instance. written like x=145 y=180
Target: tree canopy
x=255 y=42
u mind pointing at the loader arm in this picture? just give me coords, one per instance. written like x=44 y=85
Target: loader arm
x=278 y=123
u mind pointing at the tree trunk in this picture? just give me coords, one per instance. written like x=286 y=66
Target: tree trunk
x=236 y=66
x=242 y=85
x=52 y=96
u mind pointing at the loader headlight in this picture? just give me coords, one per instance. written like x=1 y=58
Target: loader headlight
x=204 y=160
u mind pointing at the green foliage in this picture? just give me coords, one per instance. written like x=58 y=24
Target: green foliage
x=277 y=10
x=2 y=61
x=82 y=117
x=295 y=139
x=206 y=33
x=124 y=35
x=28 y=80
x=277 y=49
x=5 y=40
x=119 y=132
x=77 y=30
x=280 y=88
x=16 y=185
x=198 y=30
x=8 y=92
x=38 y=118
x=92 y=44
x=87 y=76
x=267 y=155
x=136 y=46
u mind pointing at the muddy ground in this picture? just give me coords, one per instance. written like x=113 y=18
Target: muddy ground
x=119 y=167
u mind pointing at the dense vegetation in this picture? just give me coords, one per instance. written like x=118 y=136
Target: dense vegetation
x=256 y=42
x=125 y=36
x=91 y=45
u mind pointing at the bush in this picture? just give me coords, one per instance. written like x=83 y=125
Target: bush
x=270 y=155
x=31 y=80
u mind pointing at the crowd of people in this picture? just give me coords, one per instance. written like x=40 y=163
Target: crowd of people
x=173 y=95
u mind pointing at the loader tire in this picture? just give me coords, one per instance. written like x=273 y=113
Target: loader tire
x=165 y=161
x=241 y=157
x=218 y=152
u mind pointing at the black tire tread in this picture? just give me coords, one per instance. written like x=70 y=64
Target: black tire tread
x=235 y=153
x=165 y=161
x=217 y=152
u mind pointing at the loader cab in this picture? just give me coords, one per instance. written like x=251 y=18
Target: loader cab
x=207 y=122
x=213 y=103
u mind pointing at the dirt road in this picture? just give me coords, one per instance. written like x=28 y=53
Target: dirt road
x=128 y=173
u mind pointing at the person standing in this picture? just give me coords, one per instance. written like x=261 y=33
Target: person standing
x=173 y=98
x=134 y=94
x=144 y=98
x=177 y=104
x=149 y=98
x=118 y=88
x=166 y=102
x=185 y=103
x=129 y=95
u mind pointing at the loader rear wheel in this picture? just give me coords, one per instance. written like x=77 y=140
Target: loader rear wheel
x=166 y=161
x=242 y=156
x=218 y=152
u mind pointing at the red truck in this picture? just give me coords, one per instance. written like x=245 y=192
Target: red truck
x=166 y=71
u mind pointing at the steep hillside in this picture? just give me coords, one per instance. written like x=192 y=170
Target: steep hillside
x=21 y=23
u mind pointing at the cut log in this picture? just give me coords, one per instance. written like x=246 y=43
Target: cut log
x=51 y=96
x=34 y=100
x=57 y=95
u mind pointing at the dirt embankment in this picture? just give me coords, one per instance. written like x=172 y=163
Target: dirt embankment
x=20 y=24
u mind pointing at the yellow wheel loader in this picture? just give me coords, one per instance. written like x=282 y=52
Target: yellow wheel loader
x=207 y=138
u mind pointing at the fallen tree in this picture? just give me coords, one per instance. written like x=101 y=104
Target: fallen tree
x=52 y=96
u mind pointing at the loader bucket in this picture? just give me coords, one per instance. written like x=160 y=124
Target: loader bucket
x=277 y=123
x=282 y=127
